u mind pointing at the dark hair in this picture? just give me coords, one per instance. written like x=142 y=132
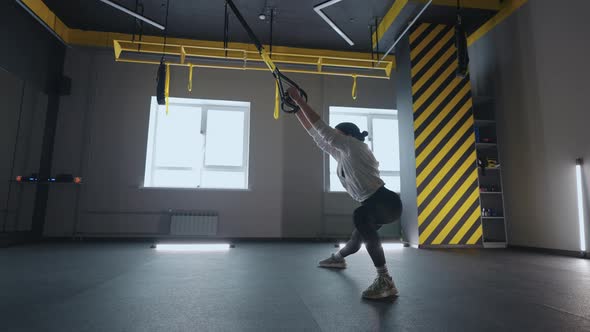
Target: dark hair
x=351 y=129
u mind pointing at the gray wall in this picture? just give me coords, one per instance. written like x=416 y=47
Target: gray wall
x=102 y=132
x=405 y=105
x=535 y=65
x=29 y=51
x=22 y=118
x=30 y=65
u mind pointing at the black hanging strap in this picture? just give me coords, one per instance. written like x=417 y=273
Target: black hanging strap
x=287 y=104
x=226 y=30
x=271 y=23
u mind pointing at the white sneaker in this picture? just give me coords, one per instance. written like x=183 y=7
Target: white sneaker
x=333 y=263
x=382 y=287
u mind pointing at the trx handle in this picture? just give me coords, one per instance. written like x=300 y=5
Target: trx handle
x=288 y=105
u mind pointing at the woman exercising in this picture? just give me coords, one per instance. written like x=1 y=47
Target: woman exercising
x=358 y=171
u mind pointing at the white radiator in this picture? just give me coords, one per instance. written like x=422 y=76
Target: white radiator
x=194 y=224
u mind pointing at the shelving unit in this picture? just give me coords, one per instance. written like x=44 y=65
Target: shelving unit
x=492 y=199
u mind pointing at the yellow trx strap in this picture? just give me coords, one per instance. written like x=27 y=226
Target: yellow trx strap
x=167 y=88
x=268 y=61
x=354 y=87
x=277 y=101
x=190 y=77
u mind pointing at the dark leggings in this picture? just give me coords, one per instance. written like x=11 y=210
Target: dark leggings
x=383 y=207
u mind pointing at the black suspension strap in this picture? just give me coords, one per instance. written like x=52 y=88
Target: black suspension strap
x=138 y=26
x=371 y=42
x=461 y=45
x=163 y=76
x=283 y=82
x=377 y=36
x=165 y=30
x=271 y=22
x=226 y=30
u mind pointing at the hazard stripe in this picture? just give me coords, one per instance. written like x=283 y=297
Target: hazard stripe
x=476 y=237
x=449 y=209
x=418 y=30
x=441 y=83
x=430 y=41
x=431 y=55
x=416 y=38
x=424 y=127
x=428 y=226
x=470 y=230
x=474 y=218
x=431 y=163
x=429 y=209
x=454 y=219
x=448 y=166
x=457 y=117
x=440 y=65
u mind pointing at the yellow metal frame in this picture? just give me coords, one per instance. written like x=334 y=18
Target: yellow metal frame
x=48 y=17
x=190 y=55
x=508 y=7
x=388 y=20
x=188 y=49
x=473 y=4
x=319 y=61
x=505 y=8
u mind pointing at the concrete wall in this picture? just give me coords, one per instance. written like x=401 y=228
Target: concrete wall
x=102 y=133
x=22 y=119
x=29 y=51
x=29 y=68
x=405 y=105
x=535 y=65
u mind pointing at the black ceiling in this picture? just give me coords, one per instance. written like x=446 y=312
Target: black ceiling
x=296 y=24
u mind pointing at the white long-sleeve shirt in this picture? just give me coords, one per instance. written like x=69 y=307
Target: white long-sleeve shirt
x=358 y=170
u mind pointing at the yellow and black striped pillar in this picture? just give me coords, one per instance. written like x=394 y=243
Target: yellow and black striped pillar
x=449 y=211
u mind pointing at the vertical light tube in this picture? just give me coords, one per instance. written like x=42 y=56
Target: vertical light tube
x=579 y=163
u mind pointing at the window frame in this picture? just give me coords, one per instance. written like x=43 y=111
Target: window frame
x=205 y=105
x=370 y=114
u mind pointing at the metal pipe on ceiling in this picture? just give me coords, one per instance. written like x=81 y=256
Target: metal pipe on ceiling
x=132 y=13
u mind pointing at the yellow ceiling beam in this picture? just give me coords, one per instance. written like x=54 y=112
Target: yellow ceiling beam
x=508 y=7
x=48 y=17
x=472 y=4
x=247 y=52
x=265 y=69
x=388 y=20
x=504 y=9
x=191 y=55
x=212 y=48
x=399 y=5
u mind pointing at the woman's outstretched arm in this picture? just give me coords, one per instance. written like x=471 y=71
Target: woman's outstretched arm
x=327 y=133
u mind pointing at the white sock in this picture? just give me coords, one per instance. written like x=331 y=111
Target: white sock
x=382 y=271
x=338 y=256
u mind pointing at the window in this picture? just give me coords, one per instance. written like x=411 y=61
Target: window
x=383 y=140
x=199 y=144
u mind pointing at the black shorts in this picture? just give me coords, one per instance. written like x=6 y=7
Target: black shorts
x=384 y=205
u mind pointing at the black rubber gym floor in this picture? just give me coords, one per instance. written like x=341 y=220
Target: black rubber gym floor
x=277 y=287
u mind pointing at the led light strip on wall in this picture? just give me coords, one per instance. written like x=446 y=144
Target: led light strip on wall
x=580 y=191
